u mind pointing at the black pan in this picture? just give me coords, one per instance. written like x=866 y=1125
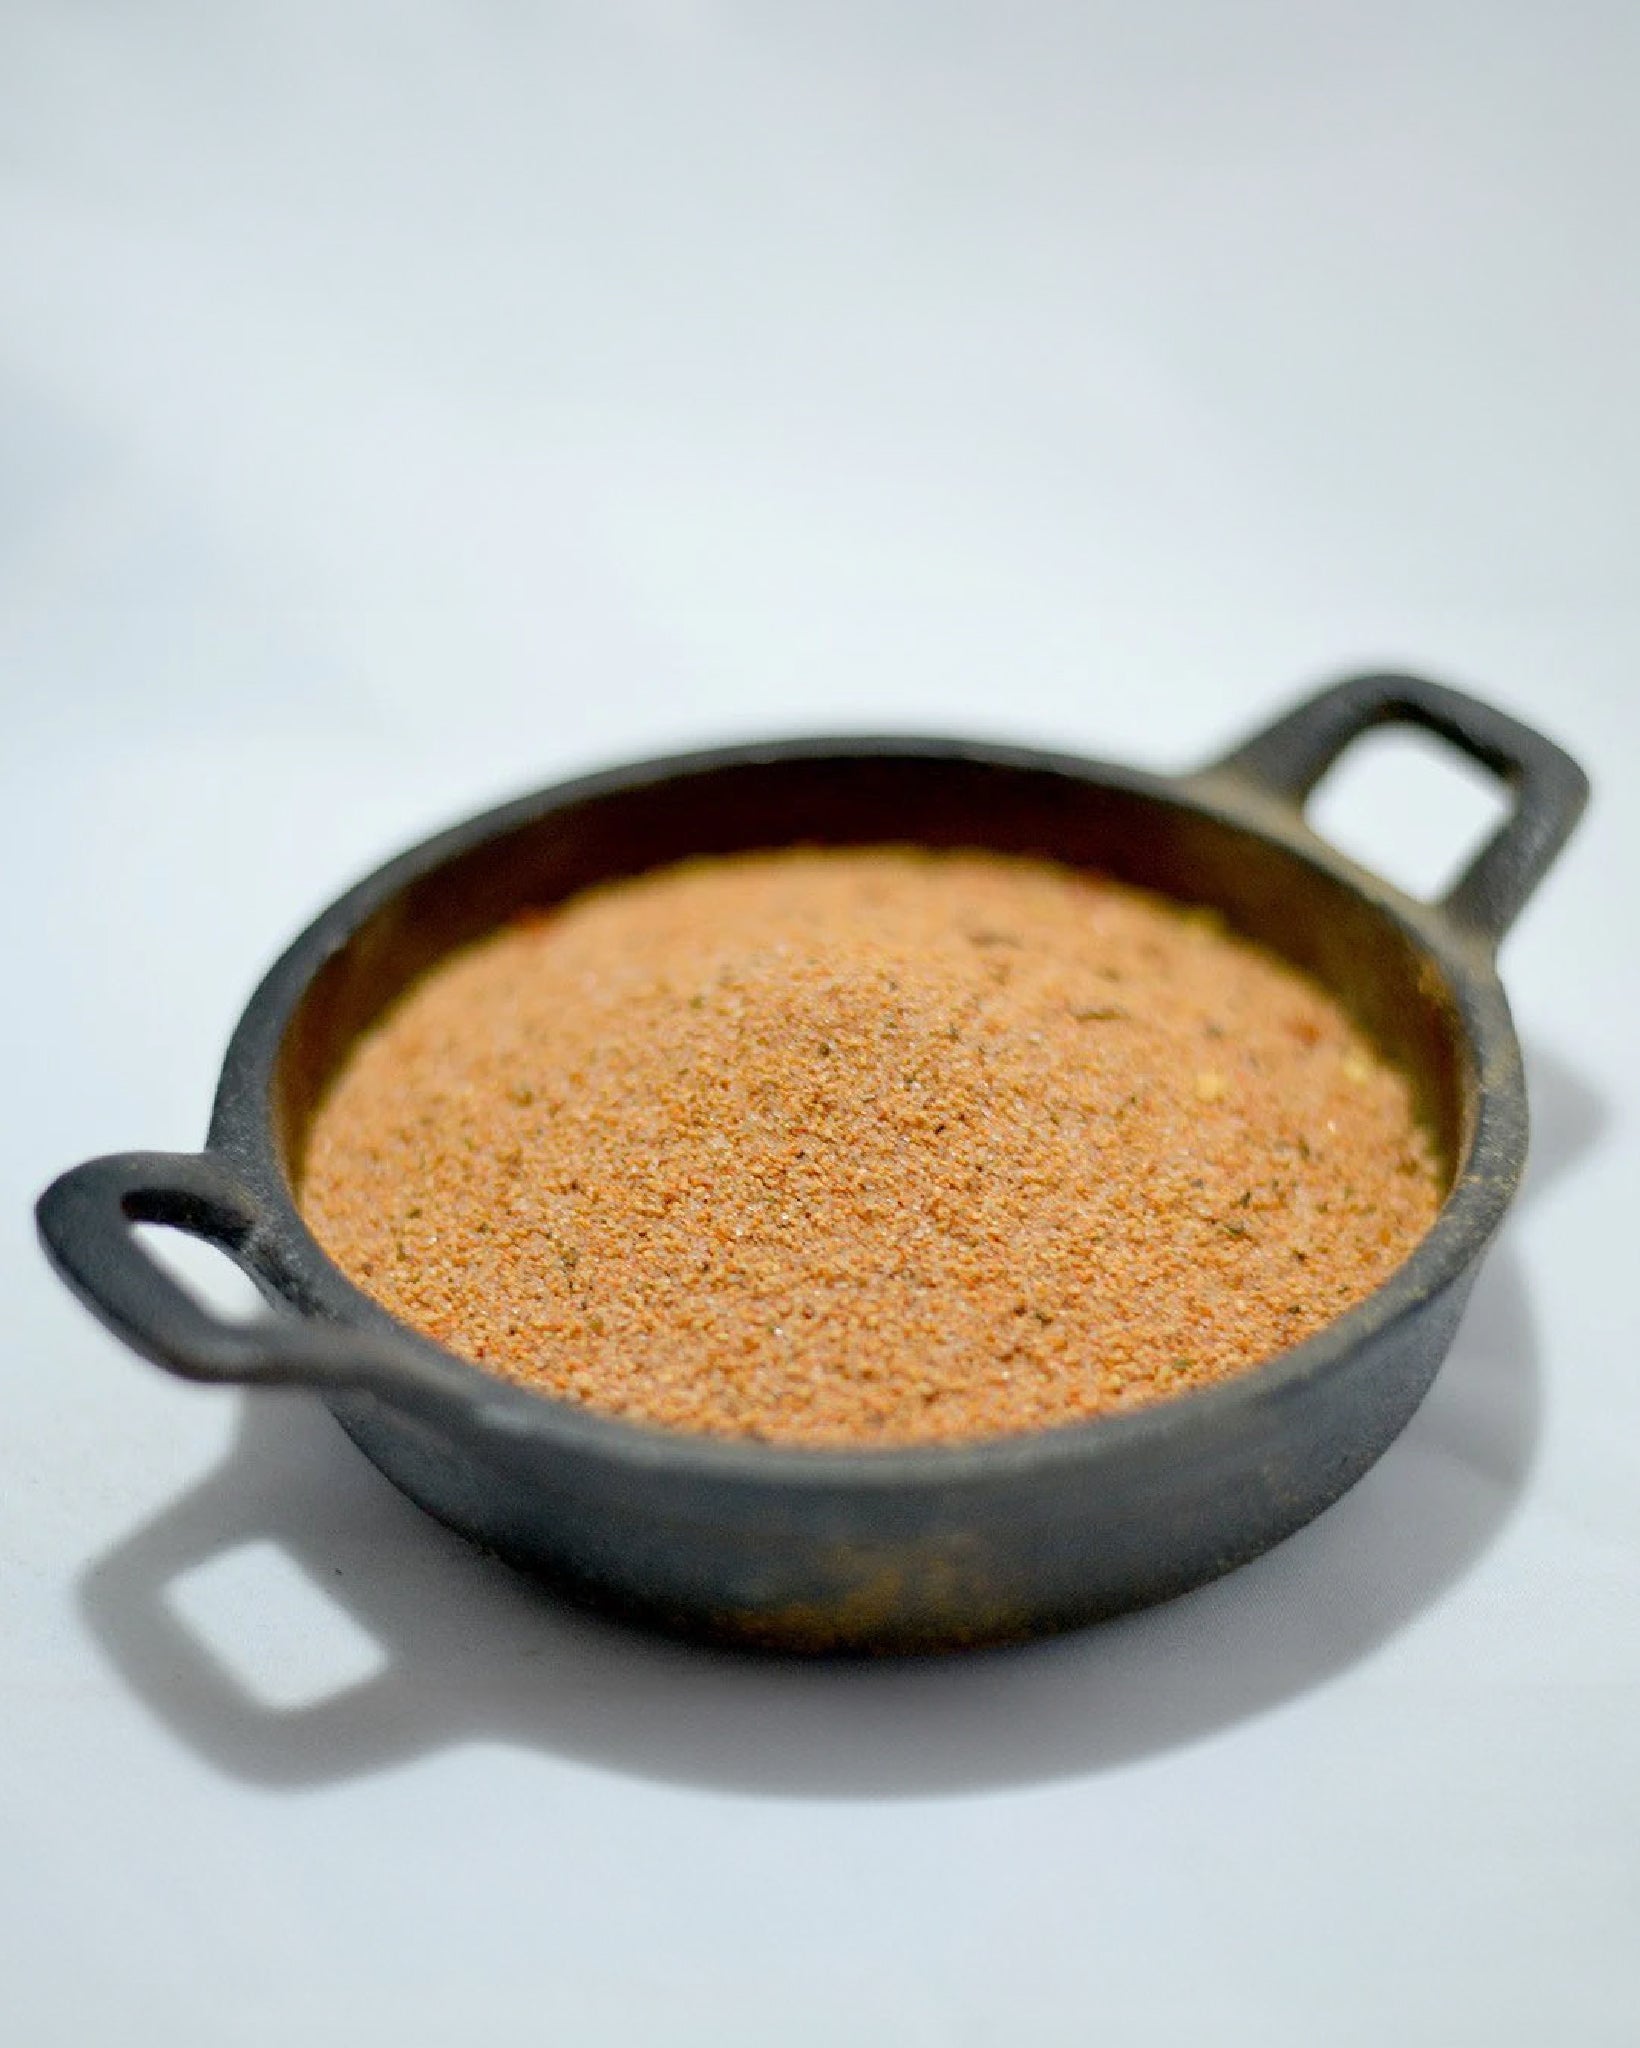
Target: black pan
x=873 y=1549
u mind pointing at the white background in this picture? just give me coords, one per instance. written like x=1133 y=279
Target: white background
x=404 y=403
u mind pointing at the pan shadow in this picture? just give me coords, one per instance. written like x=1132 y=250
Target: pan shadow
x=473 y=1652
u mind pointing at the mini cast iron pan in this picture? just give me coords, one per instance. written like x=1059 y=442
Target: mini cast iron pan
x=894 y=1549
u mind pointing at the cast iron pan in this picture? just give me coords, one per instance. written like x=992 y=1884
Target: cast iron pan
x=891 y=1549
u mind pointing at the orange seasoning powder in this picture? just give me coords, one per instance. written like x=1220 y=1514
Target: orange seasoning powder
x=867 y=1146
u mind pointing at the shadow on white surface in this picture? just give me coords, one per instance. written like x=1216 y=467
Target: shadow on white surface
x=472 y=1652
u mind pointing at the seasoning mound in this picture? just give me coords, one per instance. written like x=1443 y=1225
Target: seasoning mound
x=866 y=1146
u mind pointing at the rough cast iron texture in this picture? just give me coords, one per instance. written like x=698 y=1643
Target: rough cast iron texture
x=873 y=1549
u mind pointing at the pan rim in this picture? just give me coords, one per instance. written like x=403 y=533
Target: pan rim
x=1485 y=1172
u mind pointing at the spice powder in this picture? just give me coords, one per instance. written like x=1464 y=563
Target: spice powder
x=867 y=1146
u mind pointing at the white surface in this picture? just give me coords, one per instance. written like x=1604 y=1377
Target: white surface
x=402 y=404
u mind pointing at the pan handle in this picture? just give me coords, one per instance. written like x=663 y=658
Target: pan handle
x=1287 y=759
x=86 y=1220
